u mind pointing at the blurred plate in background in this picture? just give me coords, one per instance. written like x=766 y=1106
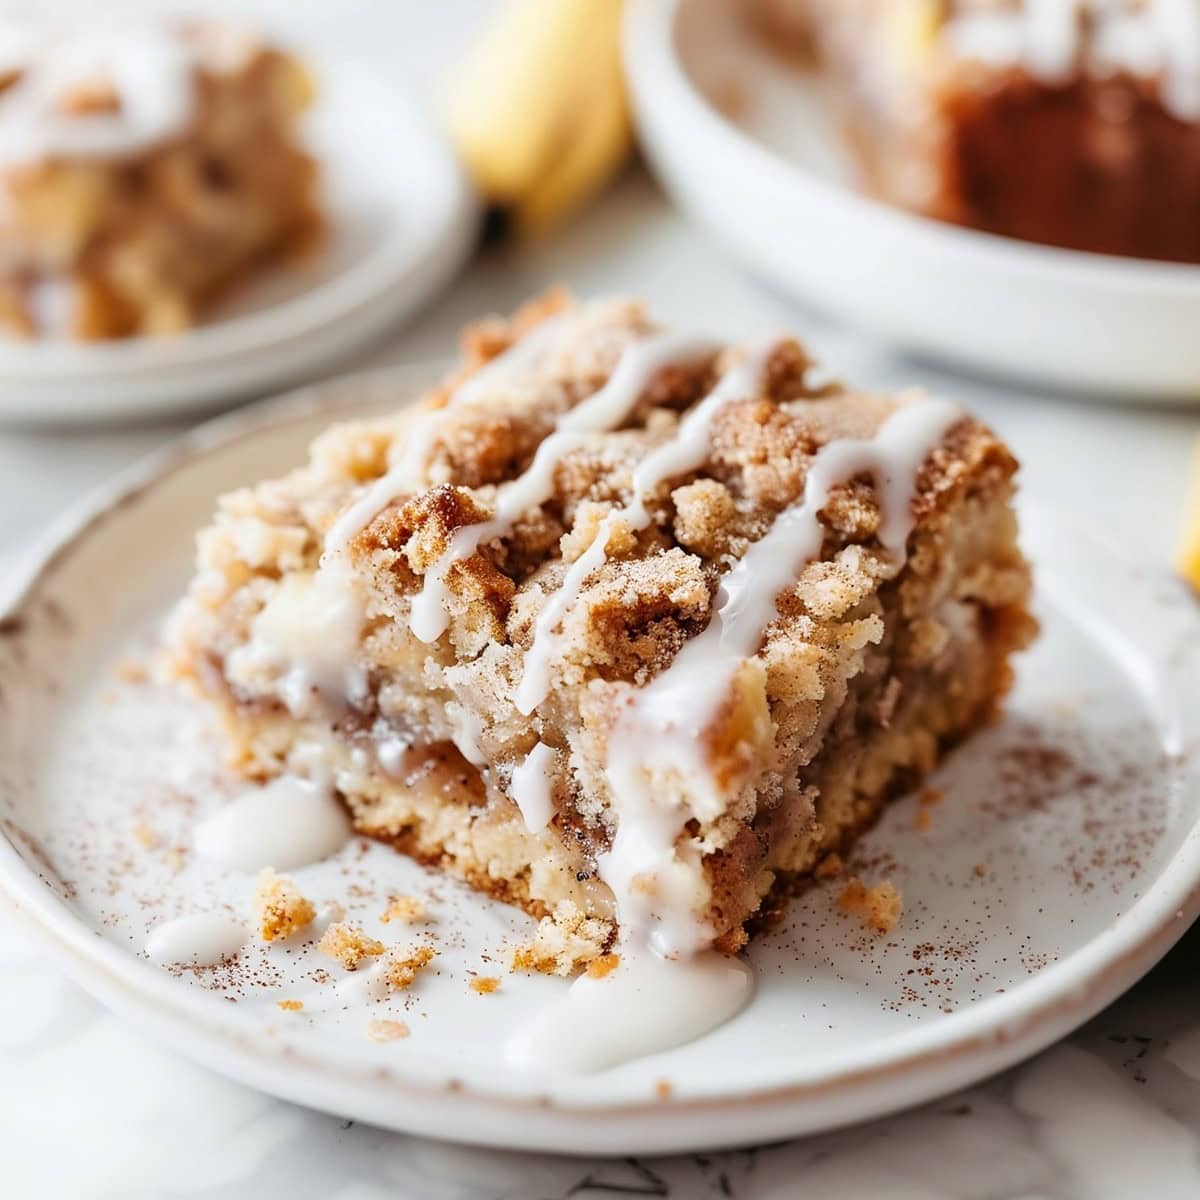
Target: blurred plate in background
x=774 y=181
x=402 y=221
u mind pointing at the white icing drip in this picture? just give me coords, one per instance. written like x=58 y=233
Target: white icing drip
x=644 y=1006
x=657 y=771
x=532 y=787
x=307 y=637
x=286 y=824
x=392 y=751
x=151 y=72
x=408 y=475
x=1052 y=38
x=466 y=728
x=1046 y=37
x=607 y=409
x=203 y=939
x=51 y=305
x=684 y=453
x=1177 y=23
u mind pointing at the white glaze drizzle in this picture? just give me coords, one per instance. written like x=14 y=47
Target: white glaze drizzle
x=150 y=70
x=644 y=1006
x=200 y=939
x=408 y=474
x=285 y=824
x=606 y=410
x=532 y=787
x=655 y=750
x=307 y=636
x=684 y=453
x=669 y=986
x=1047 y=37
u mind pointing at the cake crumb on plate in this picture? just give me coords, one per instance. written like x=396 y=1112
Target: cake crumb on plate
x=382 y=1030
x=879 y=907
x=349 y=945
x=409 y=910
x=401 y=971
x=279 y=908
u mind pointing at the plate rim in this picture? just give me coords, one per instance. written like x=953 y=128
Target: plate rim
x=1050 y=1004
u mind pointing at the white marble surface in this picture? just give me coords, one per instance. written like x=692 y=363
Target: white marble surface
x=91 y=1108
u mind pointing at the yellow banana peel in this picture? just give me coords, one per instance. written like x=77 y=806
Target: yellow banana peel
x=537 y=109
x=1189 y=548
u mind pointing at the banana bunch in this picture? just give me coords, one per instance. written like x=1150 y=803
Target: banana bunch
x=1189 y=549
x=537 y=108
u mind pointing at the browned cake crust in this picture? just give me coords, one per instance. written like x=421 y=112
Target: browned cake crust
x=966 y=111
x=869 y=671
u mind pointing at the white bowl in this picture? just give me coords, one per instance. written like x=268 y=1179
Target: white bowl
x=402 y=219
x=775 y=188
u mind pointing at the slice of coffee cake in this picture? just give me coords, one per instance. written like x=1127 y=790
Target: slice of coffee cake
x=628 y=628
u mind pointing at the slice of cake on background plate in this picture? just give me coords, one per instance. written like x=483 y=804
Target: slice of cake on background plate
x=1070 y=122
x=146 y=169
x=629 y=628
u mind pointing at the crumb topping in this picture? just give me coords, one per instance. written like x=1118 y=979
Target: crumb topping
x=401 y=968
x=485 y=985
x=408 y=910
x=349 y=945
x=279 y=908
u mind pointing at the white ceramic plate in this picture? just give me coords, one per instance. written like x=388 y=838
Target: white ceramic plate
x=402 y=219
x=776 y=186
x=1062 y=863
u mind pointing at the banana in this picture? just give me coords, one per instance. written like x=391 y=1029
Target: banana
x=537 y=108
x=1189 y=549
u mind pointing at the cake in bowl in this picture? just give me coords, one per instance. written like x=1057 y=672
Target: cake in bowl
x=1074 y=123
x=146 y=170
x=631 y=628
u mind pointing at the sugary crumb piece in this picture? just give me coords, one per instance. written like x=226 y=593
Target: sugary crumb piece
x=409 y=910
x=924 y=819
x=145 y=836
x=279 y=908
x=879 y=907
x=981 y=869
x=930 y=796
x=131 y=670
x=830 y=867
x=381 y=1030
x=349 y=945
x=485 y=985
x=176 y=858
x=290 y=1005
x=564 y=942
x=604 y=965
x=400 y=971
x=663 y=1089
